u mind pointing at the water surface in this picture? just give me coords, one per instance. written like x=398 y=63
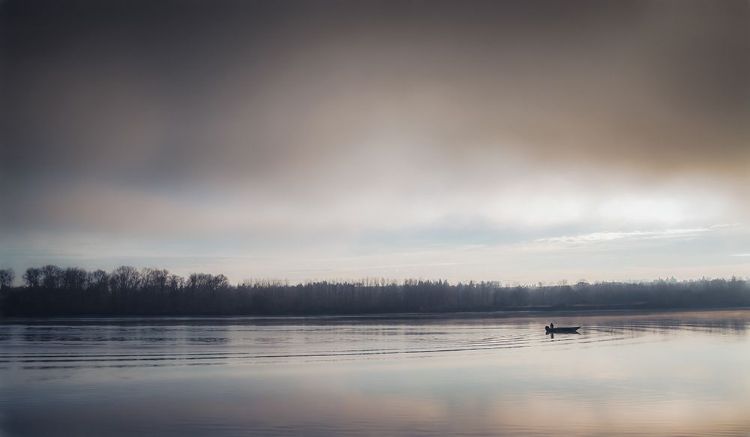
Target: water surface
x=668 y=374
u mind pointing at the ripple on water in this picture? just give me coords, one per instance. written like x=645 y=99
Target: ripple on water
x=671 y=374
x=243 y=341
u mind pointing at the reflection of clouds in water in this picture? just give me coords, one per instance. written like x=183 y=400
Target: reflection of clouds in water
x=675 y=373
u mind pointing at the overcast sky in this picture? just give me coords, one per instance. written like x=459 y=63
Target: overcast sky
x=515 y=141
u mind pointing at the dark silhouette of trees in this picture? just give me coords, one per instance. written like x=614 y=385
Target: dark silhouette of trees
x=6 y=278
x=124 y=279
x=98 y=279
x=52 y=291
x=32 y=277
x=51 y=277
x=74 y=278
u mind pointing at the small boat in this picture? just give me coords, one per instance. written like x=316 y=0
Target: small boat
x=562 y=330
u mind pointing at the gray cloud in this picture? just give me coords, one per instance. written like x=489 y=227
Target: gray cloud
x=154 y=106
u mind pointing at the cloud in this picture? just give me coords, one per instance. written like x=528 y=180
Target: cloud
x=627 y=87
x=596 y=237
x=340 y=120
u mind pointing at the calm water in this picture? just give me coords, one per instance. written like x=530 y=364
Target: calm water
x=667 y=374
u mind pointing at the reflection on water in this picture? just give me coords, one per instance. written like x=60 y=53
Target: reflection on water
x=645 y=374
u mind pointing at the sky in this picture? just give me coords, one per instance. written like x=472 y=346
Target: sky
x=517 y=141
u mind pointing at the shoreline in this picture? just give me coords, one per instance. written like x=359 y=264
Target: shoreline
x=475 y=315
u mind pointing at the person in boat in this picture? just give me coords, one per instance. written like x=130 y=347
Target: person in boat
x=551 y=326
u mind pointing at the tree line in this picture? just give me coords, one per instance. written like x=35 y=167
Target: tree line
x=127 y=291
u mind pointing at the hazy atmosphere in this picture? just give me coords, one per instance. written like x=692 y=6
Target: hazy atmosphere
x=363 y=217
x=402 y=139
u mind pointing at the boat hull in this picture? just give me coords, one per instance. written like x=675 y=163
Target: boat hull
x=562 y=330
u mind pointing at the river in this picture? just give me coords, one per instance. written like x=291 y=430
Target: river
x=676 y=373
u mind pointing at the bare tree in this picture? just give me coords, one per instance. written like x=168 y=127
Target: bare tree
x=125 y=278
x=99 y=280
x=6 y=278
x=74 y=278
x=154 y=278
x=51 y=276
x=175 y=282
x=32 y=277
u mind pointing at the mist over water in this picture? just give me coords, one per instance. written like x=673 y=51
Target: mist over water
x=645 y=374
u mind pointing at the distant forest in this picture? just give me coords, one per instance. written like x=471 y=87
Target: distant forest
x=127 y=291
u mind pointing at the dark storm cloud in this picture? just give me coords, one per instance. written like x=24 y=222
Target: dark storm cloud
x=295 y=97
